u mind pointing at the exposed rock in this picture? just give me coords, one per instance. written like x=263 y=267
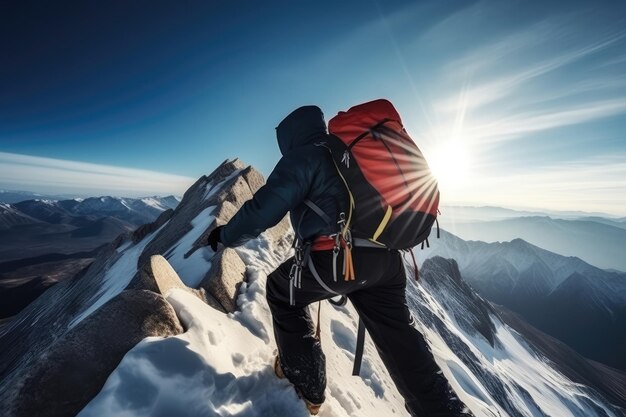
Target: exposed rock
x=146 y=229
x=237 y=194
x=254 y=178
x=76 y=367
x=442 y=276
x=225 y=169
x=224 y=278
x=225 y=212
x=158 y=276
x=281 y=234
x=195 y=200
x=238 y=184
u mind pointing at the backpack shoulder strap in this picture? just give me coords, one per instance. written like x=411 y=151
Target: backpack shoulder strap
x=317 y=210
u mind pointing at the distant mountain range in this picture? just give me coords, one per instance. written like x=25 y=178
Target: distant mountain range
x=15 y=196
x=597 y=240
x=567 y=298
x=469 y=214
x=45 y=241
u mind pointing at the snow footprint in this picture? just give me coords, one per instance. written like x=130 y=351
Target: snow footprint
x=346 y=340
x=345 y=401
x=343 y=337
x=371 y=378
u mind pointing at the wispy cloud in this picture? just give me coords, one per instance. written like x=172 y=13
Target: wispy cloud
x=508 y=84
x=507 y=128
x=484 y=57
x=595 y=184
x=62 y=176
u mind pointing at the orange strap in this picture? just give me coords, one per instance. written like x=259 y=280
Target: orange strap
x=347 y=253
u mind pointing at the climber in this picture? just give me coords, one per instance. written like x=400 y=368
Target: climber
x=306 y=185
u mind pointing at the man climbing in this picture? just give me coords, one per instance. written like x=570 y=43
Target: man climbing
x=306 y=184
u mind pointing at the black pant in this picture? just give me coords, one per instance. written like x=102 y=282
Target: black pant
x=378 y=294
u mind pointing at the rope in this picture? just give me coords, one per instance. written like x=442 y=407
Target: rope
x=318 y=330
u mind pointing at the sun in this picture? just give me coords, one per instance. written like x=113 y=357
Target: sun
x=449 y=162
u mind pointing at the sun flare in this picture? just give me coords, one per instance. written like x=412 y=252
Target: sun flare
x=450 y=163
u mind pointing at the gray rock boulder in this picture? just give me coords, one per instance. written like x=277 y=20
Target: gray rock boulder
x=224 y=278
x=158 y=276
x=74 y=370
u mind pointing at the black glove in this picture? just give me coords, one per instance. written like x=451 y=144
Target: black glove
x=214 y=238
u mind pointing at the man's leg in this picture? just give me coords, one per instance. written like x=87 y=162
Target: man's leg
x=402 y=347
x=301 y=356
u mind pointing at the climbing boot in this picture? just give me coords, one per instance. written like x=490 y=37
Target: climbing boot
x=311 y=406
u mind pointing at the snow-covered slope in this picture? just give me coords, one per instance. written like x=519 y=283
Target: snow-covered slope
x=567 y=298
x=221 y=365
x=10 y=217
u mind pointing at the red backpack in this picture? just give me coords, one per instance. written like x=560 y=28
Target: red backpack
x=394 y=198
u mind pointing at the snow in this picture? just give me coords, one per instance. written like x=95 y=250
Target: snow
x=216 y=368
x=47 y=201
x=125 y=204
x=118 y=275
x=153 y=202
x=193 y=268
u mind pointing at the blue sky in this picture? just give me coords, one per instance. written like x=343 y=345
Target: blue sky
x=514 y=103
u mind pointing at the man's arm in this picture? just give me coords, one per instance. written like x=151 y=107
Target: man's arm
x=286 y=188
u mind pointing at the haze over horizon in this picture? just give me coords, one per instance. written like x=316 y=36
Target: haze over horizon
x=515 y=104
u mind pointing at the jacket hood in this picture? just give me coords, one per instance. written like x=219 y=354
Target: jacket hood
x=303 y=126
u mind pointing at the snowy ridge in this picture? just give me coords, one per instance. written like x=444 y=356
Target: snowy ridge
x=120 y=272
x=221 y=366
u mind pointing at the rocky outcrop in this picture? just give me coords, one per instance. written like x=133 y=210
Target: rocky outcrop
x=226 y=190
x=200 y=196
x=442 y=276
x=158 y=276
x=146 y=229
x=74 y=370
x=224 y=278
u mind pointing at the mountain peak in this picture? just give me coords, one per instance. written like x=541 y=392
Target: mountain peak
x=223 y=361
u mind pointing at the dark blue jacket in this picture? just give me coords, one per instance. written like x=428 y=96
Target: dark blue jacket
x=306 y=171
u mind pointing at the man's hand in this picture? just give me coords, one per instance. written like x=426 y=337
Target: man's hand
x=214 y=238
